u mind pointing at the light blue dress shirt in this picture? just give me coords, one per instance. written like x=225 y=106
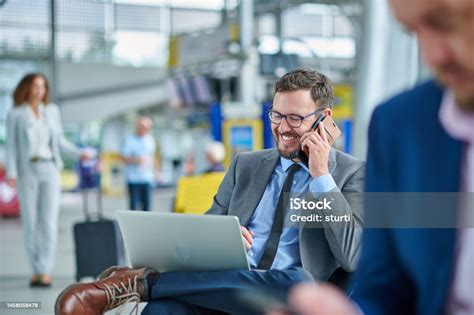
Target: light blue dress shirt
x=144 y=147
x=288 y=253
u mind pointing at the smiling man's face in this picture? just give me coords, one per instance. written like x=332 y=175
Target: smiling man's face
x=297 y=102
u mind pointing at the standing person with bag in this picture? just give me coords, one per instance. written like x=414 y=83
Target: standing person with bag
x=33 y=162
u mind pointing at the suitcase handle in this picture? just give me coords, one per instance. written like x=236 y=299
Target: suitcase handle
x=85 y=203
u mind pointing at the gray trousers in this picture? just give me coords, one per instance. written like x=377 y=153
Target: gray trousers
x=39 y=192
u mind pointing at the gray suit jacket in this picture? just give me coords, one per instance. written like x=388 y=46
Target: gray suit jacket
x=322 y=249
x=17 y=144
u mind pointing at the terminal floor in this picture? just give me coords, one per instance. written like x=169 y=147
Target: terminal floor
x=14 y=269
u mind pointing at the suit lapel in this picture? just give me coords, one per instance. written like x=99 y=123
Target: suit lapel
x=259 y=180
x=442 y=159
x=442 y=273
x=449 y=178
x=332 y=161
x=441 y=155
x=25 y=118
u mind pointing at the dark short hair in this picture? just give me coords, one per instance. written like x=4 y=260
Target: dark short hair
x=307 y=79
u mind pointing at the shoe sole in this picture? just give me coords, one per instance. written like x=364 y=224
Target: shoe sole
x=56 y=304
x=104 y=274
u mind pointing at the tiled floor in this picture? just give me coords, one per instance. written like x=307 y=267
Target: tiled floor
x=14 y=269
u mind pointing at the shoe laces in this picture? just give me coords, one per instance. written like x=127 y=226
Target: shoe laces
x=121 y=294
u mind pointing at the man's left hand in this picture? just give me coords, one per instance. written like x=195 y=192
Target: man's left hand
x=317 y=147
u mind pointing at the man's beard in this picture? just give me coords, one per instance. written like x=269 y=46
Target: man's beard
x=464 y=101
x=288 y=155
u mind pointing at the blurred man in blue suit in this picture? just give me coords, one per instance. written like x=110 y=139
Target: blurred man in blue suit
x=419 y=141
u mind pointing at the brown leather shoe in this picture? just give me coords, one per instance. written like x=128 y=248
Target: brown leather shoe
x=123 y=285
x=111 y=270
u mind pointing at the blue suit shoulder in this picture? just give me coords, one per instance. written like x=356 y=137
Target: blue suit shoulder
x=423 y=99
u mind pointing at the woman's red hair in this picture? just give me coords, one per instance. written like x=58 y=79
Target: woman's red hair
x=22 y=91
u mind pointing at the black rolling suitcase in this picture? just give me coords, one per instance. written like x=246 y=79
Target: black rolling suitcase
x=98 y=241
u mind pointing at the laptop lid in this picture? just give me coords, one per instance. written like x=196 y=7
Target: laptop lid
x=182 y=242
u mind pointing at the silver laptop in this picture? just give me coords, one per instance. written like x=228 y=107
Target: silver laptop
x=182 y=242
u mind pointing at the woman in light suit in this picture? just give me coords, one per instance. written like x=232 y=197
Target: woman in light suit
x=34 y=140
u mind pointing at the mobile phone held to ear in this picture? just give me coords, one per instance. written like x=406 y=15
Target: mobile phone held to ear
x=332 y=133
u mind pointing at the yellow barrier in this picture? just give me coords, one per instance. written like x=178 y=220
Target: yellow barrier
x=194 y=194
x=112 y=180
x=69 y=179
x=343 y=100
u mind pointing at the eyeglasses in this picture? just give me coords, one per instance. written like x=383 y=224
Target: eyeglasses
x=293 y=120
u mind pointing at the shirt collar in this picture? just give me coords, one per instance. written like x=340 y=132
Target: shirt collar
x=457 y=123
x=286 y=163
x=41 y=107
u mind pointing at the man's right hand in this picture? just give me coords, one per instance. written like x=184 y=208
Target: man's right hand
x=247 y=236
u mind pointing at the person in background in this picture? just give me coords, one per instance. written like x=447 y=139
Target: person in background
x=420 y=141
x=138 y=154
x=33 y=163
x=189 y=165
x=215 y=154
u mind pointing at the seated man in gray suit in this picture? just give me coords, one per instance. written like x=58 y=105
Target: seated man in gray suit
x=253 y=190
